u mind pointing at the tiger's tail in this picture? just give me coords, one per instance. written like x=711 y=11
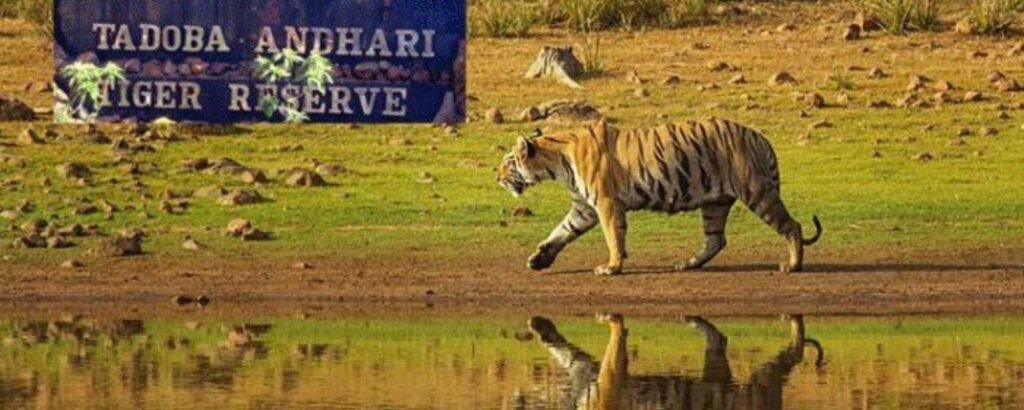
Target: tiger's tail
x=817 y=234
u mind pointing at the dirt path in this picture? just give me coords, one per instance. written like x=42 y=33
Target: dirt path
x=918 y=282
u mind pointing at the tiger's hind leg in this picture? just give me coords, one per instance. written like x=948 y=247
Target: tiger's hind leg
x=715 y=217
x=773 y=212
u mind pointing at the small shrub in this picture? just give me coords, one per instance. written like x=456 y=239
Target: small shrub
x=994 y=16
x=686 y=12
x=87 y=82
x=587 y=15
x=288 y=66
x=839 y=81
x=900 y=16
x=631 y=14
x=590 y=54
x=502 y=18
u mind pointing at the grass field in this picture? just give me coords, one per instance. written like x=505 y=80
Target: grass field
x=861 y=176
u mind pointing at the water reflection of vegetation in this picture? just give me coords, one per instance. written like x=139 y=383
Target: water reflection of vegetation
x=478 y=363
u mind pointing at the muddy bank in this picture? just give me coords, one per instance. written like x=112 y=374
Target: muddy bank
x=918 y=282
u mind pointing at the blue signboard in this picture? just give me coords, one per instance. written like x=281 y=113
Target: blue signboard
x=196 y=60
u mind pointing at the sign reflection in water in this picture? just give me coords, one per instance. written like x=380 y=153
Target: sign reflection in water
x=478 y=363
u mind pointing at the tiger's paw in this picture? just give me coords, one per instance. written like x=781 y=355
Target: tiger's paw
x=691 y=264
x=786 y=268
x=608 y=318
x=542 y=259
x=605 y=270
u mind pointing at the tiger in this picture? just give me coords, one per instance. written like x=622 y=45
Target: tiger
x=677 y=167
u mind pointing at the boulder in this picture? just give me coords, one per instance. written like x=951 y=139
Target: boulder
x=14 y=110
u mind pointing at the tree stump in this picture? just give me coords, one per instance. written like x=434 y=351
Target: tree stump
x=558 y=63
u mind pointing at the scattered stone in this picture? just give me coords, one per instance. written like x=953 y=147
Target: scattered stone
x=15 y=110
x=877 y=74
x=943 y=85
x=30 y=241
x=239 y=197
x=1007 y=85
x=1003 y=115
x=57 y=242
x=213 y=191
x=924 y=157
x=964 y=132
x=225 y=166
x=10 y=215
x=237 y=227
x=305 y=178
x=641 y=93
x=996 y=76
x=86 y=209
x=917 y=82
x=73 y=170
x=72 y=264
x=1016 y=50
x=255 y=235
x=813 y=100
x=29 y=137
x=494 y=116
x=851 y=33
x=633 y=77
x=875 y=153
x=522 y=212
x=400 y=142
x=531 y=114
x=195 y=165
x=707 y=87
x=784 y=27
x=34 y=226
x=879 y=104
x=569 y=111
x=128 y=243
x=979 y=54
x=973 y=96
x=783 y=78
x=253 y=177
x=988 y=132
x=821 y=124
x=427 y=178
x=842 y=98
x=720 y=66
x=738 y=79
x=182 y=300
x=329 y=169
x=672 y=79
x=202 y=300
x=867 y=22
x=72 y=230
x=302 y=266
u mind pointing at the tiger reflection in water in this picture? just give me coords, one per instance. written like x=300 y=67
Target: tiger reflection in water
x=608 y=385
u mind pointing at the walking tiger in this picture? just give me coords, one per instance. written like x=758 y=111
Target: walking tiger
x=706 y=165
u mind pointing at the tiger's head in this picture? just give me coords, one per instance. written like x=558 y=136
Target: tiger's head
x=526 y=165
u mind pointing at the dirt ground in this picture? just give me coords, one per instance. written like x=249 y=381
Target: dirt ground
x=882 y=282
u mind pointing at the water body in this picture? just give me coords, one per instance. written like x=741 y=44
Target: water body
x=542 y=362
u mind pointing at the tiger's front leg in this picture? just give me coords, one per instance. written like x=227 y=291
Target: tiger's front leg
x=613 y=222
x=580 y=219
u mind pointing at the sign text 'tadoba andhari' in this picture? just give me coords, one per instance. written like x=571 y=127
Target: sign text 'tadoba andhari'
x=194 y=60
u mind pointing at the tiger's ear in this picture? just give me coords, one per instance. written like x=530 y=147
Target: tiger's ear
x=526 y=148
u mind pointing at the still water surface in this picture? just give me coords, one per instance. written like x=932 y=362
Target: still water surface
x=550 y=362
